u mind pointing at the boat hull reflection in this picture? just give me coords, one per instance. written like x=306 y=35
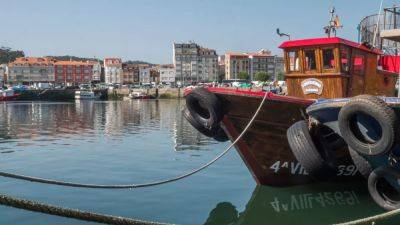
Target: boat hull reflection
x=324 y=203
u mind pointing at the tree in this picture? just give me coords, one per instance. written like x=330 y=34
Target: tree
x=262 y=76
x=8 y=55
x=243 y=75
x=281 y=76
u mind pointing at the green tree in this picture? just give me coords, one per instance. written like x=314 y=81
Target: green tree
x=8 y=55
x=281 y=76
x=243 y=75
x=262 y=76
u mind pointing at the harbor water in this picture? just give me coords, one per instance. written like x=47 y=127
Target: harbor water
x=125 y=142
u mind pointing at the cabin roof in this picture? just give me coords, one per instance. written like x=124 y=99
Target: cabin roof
x=326 y=41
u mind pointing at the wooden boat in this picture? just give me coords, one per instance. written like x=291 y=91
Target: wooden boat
x=315 y=68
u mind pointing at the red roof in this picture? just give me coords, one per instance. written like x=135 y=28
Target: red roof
x=326 y=41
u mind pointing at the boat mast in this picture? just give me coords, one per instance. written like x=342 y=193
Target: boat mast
x=333 y=25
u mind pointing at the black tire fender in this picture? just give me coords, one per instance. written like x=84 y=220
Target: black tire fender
x=362 y=164
x=380 y=198
x=305 y=151
x=374 y=107
x=199 y=127
x=216 y=132
x=220 y=135
x=205 y=107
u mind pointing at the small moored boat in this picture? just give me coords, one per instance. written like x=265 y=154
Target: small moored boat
x=138 y=95
x=8 y=95
x=86 y=95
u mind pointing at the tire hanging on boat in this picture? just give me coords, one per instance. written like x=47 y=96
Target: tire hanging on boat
x=381 y=192
x=381 y=132
x=188 y=116
x=204 y=112
x=319 y=162
x=204 y=107
x=362 y=164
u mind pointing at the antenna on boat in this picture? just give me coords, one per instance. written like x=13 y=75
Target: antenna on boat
x=282 y=34
x=334 y=24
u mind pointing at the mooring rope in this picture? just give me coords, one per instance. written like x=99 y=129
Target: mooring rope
x=369 y=220
x=71 y=213
x=125 y=186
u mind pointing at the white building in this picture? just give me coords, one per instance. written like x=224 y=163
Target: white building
x=167 y=74
x=31 y=70
x=3 y=72
x=96 y=71
x=194 y=63
x=113 y=70
x=144 y=75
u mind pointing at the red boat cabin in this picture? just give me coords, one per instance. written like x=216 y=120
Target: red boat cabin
x=334 y=68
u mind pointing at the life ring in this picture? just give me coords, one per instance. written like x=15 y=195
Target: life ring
x=216 y=132
x=319 y=162
x=368 y=125
x=205 y=107
x=381 y=191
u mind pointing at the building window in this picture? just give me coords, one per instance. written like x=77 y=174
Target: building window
x=310 y=60
x=294 y=64
x=328 y=59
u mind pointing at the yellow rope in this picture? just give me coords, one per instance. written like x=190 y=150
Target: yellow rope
x=369 y=220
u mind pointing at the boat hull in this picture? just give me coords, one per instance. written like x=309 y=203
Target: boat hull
x=264 y=148
x=9 y=98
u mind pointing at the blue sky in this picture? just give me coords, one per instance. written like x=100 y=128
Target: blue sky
x=145 y=30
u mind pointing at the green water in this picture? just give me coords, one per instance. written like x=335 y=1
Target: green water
x=140 y=141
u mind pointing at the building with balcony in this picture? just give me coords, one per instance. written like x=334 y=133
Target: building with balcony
x=252 y=63
x=97 y=72
x=28 y=70
x=76 y=72
x=113 y=73
x=144 y=75
x=130 y=74
x=194 y=63
x=167 y=74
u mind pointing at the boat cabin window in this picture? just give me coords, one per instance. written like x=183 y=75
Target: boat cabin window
x=294 y=60
x=328 y=59
x=358 y=63
x=345 y=59
x=310 y=60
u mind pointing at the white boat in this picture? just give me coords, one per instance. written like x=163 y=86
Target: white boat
x=138 y=95
x=82 y=94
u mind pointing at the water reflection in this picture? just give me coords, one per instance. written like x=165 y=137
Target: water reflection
x=326 y=203
x=29 y=122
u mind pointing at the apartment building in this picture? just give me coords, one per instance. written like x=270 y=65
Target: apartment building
x=130 y=74
x=3 y=73
x=251 y=63
x=144 y=75
x=76 y=72
x=25 y=70
x=154 y=75
x=194 y=63
x=221 y=67
x=113 y=70
x=236 y=63
x=97 y=72
x=167 y=74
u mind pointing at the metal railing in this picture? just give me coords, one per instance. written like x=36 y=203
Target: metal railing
x=372 y=25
